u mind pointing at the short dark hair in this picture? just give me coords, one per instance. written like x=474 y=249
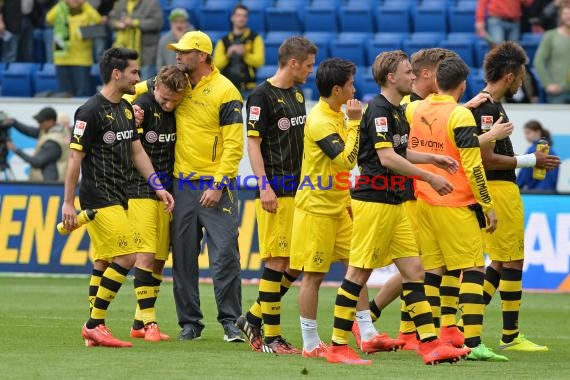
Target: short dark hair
x=172 y=78
x=451 y=72
x=115 y=58
x=297 y=47
x=386 y=63
x=333 y=72
x=505 y=58
x=240 y=6
x=429 y=58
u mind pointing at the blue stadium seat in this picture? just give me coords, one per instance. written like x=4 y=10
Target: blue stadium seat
x=229 y=4
x=283 y=19
x=265 y=72
x=321 y=18
x=430 y=17
x=256 y=4
x=272 y=42
x=421 y=40
x=297 y=4
x=310 y=87
x=384 y=42
x=350 y=45
x=357 y=18
x=322 y=40
x=462 y=17
x=334 y=3
x=393 y=17
x=17 y=79
x=215 y=35
x=475 y=82
x=45 y=79
x=363 y=3
x=481 y=49
x=214 y=18
x=367 y=88
x=462 y=44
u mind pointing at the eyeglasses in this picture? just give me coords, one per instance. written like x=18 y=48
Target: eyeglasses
x=187 y=51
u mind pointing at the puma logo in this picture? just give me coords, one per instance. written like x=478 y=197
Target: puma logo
x=424 y=120
x=227 y=210
x=110 y=116
x=281 y=100
x=157 y=115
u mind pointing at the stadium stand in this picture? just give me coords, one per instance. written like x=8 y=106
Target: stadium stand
x=17 y=79
x=45 y=79
x=354 y=29
x=321 y=18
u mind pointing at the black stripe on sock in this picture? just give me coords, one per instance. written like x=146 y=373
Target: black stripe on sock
x=271 y=275
x=272 y=319
x=289 y=277
x=112 y=285
x=472 y=319
x=509 y=274
x=511 y=296
x=343 y=324
x=269 y=297
x=122 y=270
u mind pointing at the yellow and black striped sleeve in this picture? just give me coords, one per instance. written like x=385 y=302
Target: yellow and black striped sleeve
x=462 y=131
x=342 y=153
x=231 y=124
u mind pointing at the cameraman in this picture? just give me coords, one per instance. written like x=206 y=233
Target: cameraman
x=49 y=160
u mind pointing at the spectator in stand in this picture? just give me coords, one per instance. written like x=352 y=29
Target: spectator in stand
x=49 y=161
x=552 y=57
x=503 y=19
x=547 y=17
x=240 y=53
x=17 y=30
x=179 y=25
x=100 y=44
x=137 y=26
x=72 y=54
x=534 y=131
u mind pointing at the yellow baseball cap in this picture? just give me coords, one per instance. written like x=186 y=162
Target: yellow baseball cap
x=195 y=40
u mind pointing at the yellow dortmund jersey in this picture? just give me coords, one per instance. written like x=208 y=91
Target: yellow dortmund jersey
x=209 y=129
x=330 y=152
x=79 y=51
x=440 y=126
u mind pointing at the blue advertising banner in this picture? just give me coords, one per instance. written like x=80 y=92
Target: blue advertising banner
x=30 y=243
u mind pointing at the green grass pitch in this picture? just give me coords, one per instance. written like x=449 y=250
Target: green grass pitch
x=41 y=319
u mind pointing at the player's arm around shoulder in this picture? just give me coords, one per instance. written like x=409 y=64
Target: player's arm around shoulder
x=140 y=88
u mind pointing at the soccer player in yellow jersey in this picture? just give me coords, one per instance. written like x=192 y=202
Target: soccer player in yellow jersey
x=504 y=71
x=321 y=224
x=450 y=227
x=381 y=231
x=276 y=117
x=104 y=146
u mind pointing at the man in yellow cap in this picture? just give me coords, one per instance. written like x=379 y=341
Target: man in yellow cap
x=208 y=150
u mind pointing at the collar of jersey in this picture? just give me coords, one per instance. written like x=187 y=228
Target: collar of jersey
x=208 y=78
x=441 y=98
x=327 y=108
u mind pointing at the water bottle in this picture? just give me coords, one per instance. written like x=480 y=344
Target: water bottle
x=542 y=146
x=83 y=217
